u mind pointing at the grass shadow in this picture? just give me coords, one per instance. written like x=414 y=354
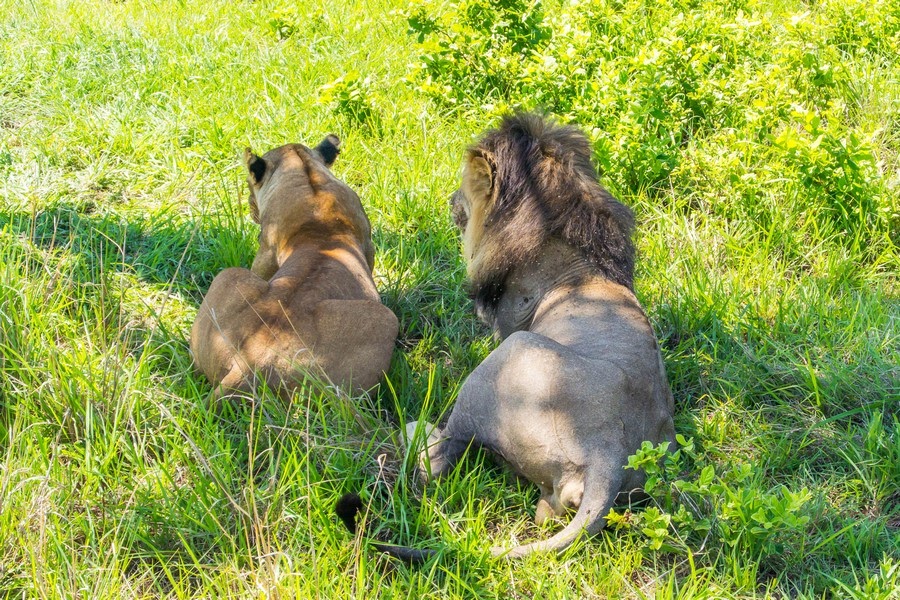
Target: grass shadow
x=162 y=248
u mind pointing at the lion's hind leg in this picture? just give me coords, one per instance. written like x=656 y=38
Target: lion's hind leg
x=440 y=453
x=548 y=506
x=222 y=322
x=235 y=388
x=366 y=326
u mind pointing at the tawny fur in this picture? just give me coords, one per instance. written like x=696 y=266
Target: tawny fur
x=578 y=382
x=308 y=306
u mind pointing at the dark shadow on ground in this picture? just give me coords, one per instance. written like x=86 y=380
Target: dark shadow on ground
x=165 y=249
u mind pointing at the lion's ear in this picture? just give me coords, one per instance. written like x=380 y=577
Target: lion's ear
x=481 y=175
x=256 y=166
x=329 y=148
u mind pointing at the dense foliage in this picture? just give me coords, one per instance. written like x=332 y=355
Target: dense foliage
x=675 y=93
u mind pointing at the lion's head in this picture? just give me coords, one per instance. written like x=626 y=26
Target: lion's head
x=294 y=196
x=524 y=183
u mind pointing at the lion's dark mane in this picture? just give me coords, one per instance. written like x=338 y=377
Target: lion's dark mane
x=545 y=186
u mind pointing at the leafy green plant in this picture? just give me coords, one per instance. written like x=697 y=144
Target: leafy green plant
x=350 y=96
x=709 y=508
x=284 y=23
x=838 y=170
x=480 y=50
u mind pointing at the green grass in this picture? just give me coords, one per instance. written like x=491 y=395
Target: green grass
x=756 y=140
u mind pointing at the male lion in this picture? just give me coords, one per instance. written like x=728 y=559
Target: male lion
x=578 y=381
x=308 y=305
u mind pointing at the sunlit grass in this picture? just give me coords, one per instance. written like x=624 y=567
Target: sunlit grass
x=121 y=197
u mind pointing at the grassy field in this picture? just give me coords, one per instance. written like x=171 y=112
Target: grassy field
x=756 y=140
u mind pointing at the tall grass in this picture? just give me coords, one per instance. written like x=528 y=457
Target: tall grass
x=757 y=142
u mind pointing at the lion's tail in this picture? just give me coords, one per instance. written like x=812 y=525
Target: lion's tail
x=600 y=491
x=347 y=509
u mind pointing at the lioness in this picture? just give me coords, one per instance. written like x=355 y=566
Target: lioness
x=308 y=305
x=578 y=381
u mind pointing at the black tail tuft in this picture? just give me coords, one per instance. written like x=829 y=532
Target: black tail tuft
x=350 y=505
x=329 y=148
x=347 y=508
